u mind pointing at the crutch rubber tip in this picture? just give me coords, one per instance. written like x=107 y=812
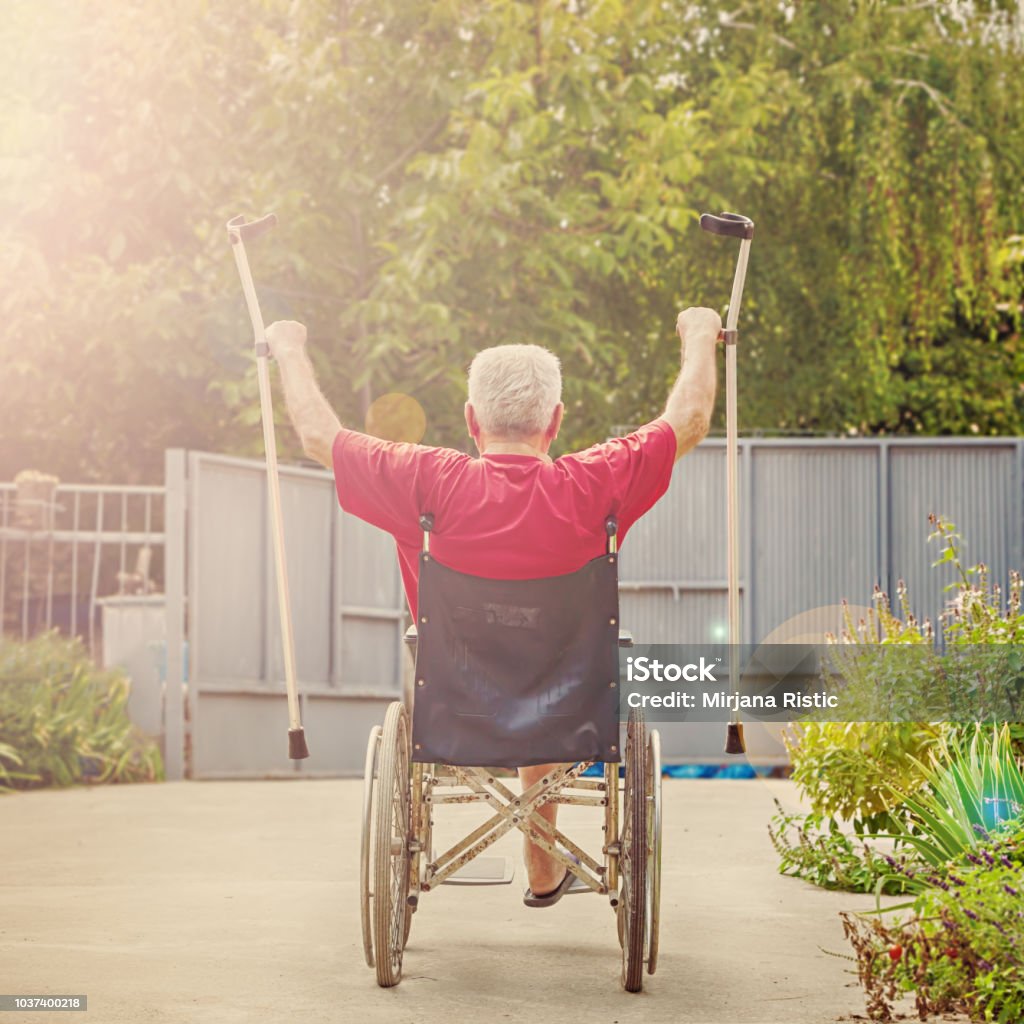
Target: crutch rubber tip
x=297 y=749
x=734 y=739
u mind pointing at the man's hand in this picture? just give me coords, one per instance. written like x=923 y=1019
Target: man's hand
x=697 y=323
x=286 y=337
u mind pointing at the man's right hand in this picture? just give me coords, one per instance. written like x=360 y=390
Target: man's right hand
x=697 y=323
x=286 y=337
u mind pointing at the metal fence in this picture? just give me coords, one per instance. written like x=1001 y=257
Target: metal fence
x=347 y=605
x=61 y=552
x=821 y=520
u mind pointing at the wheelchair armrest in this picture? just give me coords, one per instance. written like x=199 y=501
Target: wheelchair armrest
x=410 y=637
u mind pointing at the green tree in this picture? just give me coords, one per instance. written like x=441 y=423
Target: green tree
x=452 y=174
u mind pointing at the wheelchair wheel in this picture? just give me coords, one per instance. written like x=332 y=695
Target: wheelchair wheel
x=391 y=832
x=369 y=776
x=633 y=856
x=653 y=799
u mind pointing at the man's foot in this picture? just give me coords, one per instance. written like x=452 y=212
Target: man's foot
x=569 y=884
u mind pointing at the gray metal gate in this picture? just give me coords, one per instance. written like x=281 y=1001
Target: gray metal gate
x=822 y=520
x=348 y=611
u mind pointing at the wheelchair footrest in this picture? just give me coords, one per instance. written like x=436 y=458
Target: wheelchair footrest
x=484 y=871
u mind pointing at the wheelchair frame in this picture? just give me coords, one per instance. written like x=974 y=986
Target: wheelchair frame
x=398 y=862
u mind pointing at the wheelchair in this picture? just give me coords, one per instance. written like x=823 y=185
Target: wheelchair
x=511 y=673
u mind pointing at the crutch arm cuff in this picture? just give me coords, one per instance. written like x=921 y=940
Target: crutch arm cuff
x=735 y=225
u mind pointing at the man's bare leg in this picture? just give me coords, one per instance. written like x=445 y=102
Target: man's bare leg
x=542 y=870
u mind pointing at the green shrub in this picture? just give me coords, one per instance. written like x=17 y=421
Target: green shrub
x=63 y=721
x=861 y=772
x=816 y=849
x=968 y=793
x=846 y=769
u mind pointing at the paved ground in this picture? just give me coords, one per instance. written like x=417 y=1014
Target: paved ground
x=237 y=902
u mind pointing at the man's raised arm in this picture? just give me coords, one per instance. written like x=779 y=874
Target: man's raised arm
x=312 y=416
x=692 y=400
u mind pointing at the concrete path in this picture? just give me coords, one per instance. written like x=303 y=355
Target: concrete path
x=224 y=902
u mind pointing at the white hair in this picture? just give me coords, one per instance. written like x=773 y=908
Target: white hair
x=514 y=390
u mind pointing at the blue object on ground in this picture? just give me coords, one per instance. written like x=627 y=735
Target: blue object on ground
x=697 y=771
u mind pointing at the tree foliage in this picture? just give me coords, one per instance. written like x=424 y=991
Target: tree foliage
x=451 y=174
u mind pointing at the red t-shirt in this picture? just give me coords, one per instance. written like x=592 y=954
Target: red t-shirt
x=502 y=516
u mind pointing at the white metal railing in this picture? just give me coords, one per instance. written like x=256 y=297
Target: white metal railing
x=59 y=556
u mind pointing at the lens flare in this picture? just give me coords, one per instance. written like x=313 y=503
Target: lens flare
x=396 y=417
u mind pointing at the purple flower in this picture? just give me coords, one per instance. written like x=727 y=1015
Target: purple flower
x=1010 y=889
x=973 y=859
x=1007 y=863
x=971 y=914
x=985 y=965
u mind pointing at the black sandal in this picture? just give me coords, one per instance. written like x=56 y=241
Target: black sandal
x=551 y=898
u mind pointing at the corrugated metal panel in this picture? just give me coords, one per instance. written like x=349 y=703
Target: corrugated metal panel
x=815 y=525
x=680 y=543
x=661 y=617
x=306 y=509
x=825 y=520
x=974 y=486
x=236 y=632
x=372 y=615
x=227 y=585
x=369 y=569
x=704 y=743
x=347 y=616
x=244 y=737
x=683 y=536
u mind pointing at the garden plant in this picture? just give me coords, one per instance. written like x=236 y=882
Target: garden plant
x=63 y=721
x=939 y=807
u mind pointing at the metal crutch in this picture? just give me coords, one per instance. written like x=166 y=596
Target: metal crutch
x=238 y=231
x=733 y=225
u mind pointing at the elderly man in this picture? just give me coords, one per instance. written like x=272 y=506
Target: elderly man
x=514 y=512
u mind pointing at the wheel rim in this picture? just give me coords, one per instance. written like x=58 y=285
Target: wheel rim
x=653 y=908
x=633 y=857
x=369 y=772
x=391 y=858
x=399 y=860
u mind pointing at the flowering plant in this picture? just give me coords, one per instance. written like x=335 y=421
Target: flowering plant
x=963 y=948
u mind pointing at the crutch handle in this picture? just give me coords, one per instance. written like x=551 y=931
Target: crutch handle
x=242 y=230
x=735 y=225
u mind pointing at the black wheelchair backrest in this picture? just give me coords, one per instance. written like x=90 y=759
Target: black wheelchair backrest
x=517 y=672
